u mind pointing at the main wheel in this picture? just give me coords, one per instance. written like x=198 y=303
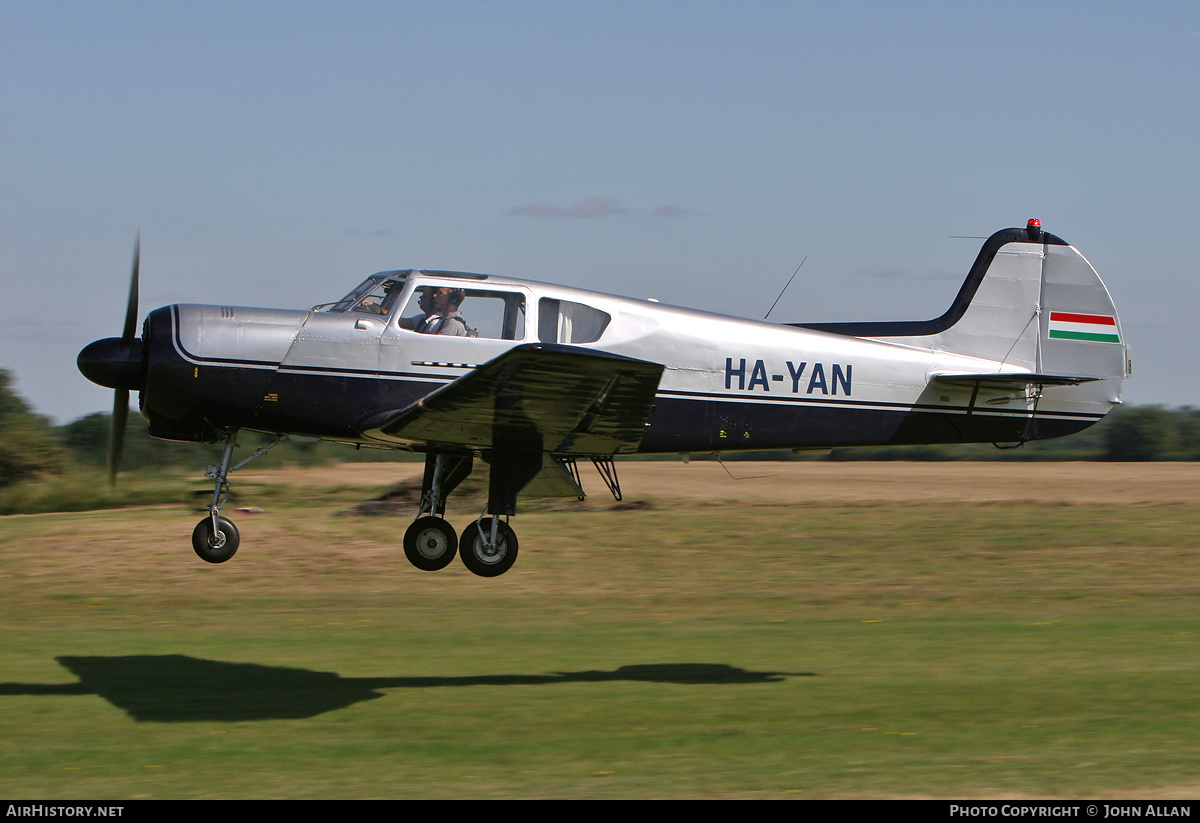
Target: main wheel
x=430 y=543
x=488 y=561
x=215 y=548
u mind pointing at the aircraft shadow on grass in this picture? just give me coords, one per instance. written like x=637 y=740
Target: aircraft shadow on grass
x=177 y=688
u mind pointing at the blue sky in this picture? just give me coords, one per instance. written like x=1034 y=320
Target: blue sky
x=276 y=153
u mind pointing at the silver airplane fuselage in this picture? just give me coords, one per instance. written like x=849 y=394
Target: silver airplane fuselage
x=533 y=377
x=729 y=384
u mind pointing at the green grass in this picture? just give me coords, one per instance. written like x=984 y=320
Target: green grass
x=678 y=651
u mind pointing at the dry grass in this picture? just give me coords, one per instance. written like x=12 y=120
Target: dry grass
x=1115 y=484
x=836 y=520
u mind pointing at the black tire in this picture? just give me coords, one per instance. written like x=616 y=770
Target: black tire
x=219 y=548
x=478 y=559
x=430 y=543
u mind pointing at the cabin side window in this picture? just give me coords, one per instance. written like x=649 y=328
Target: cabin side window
x=562 y=321
x=464 y=312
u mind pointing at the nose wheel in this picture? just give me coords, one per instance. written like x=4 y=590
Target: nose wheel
x=430 y=543
x=215 y=546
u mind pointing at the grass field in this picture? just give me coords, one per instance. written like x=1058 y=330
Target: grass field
x=829 y=630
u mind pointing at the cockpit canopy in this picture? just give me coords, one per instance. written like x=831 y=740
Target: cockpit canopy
x=496 y=313
x=383 y=288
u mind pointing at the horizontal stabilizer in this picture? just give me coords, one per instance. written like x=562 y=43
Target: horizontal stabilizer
x=537 y=397
x=1009 y=380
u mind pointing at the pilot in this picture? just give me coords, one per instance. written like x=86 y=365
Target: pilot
x=439 y=307
x=384 y=305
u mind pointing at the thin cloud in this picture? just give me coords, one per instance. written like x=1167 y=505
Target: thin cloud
x=671 y=211
x=587 y=207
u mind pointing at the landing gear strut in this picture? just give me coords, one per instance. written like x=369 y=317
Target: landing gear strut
x=215 y=539
x=488 y=546
x=430 y=542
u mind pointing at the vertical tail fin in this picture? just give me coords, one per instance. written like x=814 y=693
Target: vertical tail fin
x=1031 y=302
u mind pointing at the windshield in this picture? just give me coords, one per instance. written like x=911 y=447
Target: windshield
x=374 y=295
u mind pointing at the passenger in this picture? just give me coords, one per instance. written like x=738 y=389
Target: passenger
x=439 y=307
x=425 y=303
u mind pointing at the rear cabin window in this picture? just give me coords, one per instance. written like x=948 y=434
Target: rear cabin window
x=561 y=321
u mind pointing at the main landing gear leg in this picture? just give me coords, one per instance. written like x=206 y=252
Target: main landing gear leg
x=215 y=539
x=489 y=545
x=430 y=543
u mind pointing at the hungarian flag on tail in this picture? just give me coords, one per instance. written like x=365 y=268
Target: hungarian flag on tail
x=1071 y=326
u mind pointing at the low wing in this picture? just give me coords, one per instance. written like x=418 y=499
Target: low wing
x=1009 y=380
x=537 y=397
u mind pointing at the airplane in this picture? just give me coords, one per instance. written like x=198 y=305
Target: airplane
x=533 y=378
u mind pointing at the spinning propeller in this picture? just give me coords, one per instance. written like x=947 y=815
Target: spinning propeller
x=118 y=363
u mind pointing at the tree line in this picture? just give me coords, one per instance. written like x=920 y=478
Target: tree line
x=31 y=447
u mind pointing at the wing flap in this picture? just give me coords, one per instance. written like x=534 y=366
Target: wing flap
x=554 y=480
x=536 y=397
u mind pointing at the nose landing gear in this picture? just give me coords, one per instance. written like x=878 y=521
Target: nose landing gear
x=215 y=539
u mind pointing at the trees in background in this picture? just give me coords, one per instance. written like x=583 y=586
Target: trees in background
x=1128 y=433
x=1153 y=433
x=28 y=444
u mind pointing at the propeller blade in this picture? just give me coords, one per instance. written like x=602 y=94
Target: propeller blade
x=131 y=311
x=116 y=434
x=120 y=415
